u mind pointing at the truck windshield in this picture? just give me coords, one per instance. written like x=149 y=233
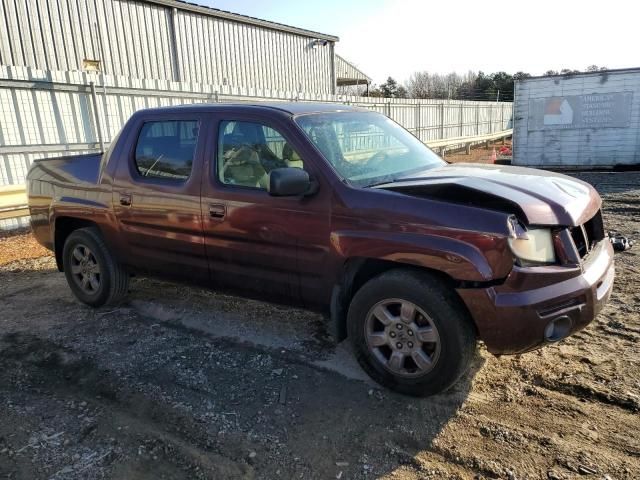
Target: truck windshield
x=367 y=148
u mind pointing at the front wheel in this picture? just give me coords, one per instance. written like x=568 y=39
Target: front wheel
x=410 y=333
x=93 y=275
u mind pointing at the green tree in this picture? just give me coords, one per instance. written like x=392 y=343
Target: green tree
x=521 y=75
x=391 y=89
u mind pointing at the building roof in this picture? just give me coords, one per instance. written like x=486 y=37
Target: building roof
x=582 y=74
x=214 y=12
x=349 y=74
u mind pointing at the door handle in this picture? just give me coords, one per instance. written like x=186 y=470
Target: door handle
x=125 y=199
x=217 y=211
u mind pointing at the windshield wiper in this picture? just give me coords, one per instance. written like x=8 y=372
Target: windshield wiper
x=377 y=184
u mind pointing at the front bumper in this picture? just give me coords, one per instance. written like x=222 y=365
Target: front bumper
x=512 y=317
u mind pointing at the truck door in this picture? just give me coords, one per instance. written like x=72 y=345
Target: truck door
x=157 y=195
x=253 y=239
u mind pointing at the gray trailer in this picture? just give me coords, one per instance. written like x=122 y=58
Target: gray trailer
x=578 y=121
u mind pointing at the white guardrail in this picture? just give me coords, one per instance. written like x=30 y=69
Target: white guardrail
x=13 y=198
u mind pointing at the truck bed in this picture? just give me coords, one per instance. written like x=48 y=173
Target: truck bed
x=84 y=168
x=68 y=183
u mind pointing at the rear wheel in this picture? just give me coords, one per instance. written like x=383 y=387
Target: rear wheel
x=410 y=333
x=93 y=275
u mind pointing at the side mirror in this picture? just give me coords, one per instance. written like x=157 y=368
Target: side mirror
x=289 y=182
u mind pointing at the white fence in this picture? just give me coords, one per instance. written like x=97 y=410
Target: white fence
x=49 y=113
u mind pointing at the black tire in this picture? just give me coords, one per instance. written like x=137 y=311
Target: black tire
x=112 y=279
x=453 y=351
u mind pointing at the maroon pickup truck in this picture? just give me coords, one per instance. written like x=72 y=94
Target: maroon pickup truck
x=339 y=210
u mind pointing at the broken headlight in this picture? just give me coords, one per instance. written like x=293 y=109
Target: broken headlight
x=531 y=247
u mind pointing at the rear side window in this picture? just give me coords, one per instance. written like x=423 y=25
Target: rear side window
x=166 y=149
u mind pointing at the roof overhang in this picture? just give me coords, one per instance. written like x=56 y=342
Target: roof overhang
x=348 y=74
x=214 y=12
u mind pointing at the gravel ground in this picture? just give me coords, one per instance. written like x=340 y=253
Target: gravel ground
x=479 y=153
x=181 y=382
x=19 y=245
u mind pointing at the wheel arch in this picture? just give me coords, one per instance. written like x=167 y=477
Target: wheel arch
x=63 y=227
x=358 y=271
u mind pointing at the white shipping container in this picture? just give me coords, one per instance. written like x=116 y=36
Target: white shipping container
x=585 y=120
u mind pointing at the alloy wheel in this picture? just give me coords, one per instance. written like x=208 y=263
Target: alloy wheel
x=402 y=337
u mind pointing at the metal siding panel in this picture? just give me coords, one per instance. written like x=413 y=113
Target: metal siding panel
x=102 y=44
x=20 y=52
x=207 y=58
x=215 y=38
x=145 y=36
x=120 y=32
x=223 y=30
x=72 y=36
x=25 y=34
x=295 y=45
x=159 y=55
x=253 y=57
x=241 y=58
x=165 y=27
x=237 y=56
x=142 y=40
x=269 y=80
x=6 y=56
x=132 y=33
x=109 y=49
x=293 y=78
x=48 y=41
x=57 y=25
x=185 y=45
x=195 y=51
x=202 y=63
x=86 y=31
x=182 y=42
x=159 y=46
x=278 y=63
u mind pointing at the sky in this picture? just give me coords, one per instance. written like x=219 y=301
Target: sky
x=396 y=38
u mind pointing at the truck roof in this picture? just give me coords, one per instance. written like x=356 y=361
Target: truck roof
x=292 y=108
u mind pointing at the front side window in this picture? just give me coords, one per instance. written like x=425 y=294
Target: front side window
x=248 y=151
x=367 y=148
x=166 y=149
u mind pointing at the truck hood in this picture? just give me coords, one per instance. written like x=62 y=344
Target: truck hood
x=539 y=197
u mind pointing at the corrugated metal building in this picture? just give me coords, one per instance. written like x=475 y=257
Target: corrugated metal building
x=584 y=120
x=348 y=74
x=166 y=40
x=350 y=79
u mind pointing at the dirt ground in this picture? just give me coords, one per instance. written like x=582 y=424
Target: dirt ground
x=480 y=153
x=181 y=382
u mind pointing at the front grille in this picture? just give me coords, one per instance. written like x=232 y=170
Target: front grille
x=588 y=234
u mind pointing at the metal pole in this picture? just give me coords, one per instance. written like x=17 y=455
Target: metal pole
x=94 y=97
x=490 y=118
